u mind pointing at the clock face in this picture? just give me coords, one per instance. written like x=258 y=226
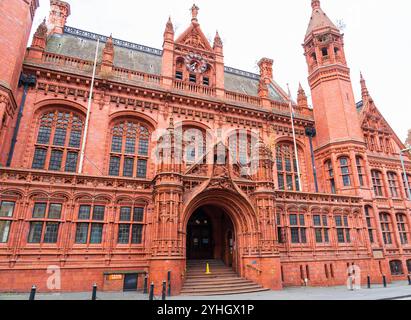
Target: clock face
x=196 y=63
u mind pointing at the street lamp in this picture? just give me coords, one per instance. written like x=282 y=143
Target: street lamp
x=407 y=186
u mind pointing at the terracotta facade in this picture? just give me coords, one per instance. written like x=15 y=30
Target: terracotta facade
x=173 y=132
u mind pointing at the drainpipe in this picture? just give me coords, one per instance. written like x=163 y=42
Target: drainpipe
x=26 y=81
x=311 y=133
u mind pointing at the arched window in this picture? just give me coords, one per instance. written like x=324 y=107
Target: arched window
x=396 y=267
x=393 y=184
x=377 y=183
x=287 y=171
x=129 y=149
x=58 y=141
x=194 y=144
x=402 y=227
x=345 y=171
x=360 y=170
x=330 y=175
x=386 y=229
x=242 y=147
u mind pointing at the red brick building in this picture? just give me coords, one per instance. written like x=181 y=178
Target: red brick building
x=188 y=159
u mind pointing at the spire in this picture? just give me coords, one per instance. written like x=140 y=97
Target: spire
x=39 y=41
x=302 y=97
x=218 y=43
x=194 y=13
x=364 y=90
x=108 y=55
x=319 y=20
x=41 y=31
x=169 y=31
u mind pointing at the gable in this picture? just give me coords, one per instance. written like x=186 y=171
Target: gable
x=194 y=37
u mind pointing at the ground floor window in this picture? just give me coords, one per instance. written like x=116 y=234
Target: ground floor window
x=409 y=265
x=6 y=216
x=396 y=267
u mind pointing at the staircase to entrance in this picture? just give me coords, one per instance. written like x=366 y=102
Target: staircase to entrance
x=222 y=280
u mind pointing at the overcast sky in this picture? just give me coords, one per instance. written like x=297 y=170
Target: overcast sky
x=377 y=39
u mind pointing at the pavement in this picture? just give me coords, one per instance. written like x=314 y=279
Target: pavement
x=395 y=291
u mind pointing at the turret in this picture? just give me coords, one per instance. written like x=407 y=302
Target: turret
x=59 y=12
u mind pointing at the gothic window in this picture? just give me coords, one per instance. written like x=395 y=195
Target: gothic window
x=360 y=170
x=343 y=228
x=396 y=267
x=321 y=228
x=194 y=145
x=330 y=174
x=393 y=184
x=131 y=225
x=6 y=219
x=45 y=222
x=345 y=171
x=370 y=225
x=386 y=228
x=58 y=141
x=286 y=165
x=377 y=183
x=90 y=224
x=298 y=228
x=129 y=150
x=402 y=228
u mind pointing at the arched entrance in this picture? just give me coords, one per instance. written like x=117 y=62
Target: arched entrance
x=211 y=235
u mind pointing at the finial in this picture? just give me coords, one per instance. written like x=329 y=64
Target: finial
x=217 y=40
x=169 y=26
x=194 y=13
x=364 y=89
x=315 y=4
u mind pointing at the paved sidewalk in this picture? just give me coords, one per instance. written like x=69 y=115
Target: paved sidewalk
x=398 y=290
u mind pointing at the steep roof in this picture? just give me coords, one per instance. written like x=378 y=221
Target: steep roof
x=319 y=20
x=81 y=44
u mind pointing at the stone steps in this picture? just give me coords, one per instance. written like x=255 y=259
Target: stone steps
x=222 y=280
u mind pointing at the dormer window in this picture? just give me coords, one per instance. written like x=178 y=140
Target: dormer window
x=206 y=81
x=193 y=78
x=179 y=75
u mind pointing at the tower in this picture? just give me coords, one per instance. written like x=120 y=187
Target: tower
x=337 y=122
x=59 y=12
x=15 y=25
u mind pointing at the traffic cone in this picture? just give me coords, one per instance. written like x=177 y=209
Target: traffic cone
x=208 y=269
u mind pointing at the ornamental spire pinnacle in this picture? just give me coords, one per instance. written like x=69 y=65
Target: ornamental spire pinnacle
x=364 y=90
x=194 y=13
x=315 y=4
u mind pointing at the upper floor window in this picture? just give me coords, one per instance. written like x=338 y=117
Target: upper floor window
x=130 y=227
x=287 y=170
x=393 y=184
x=360 y=170
x=386 y=228
x=129 y=150
x=407 y=185
x=321 y=228
x=6 y=219
x=45 y=222
x=194 y=144
x=377 y=183
x=402 y=227
x=58 y=141
x=90 y=224
x=179 y=75
x=343 y=229
x=331 y=178
x=345 y=171
x=298 y=228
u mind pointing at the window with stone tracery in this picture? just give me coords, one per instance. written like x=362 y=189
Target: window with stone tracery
x=378 y=184
x=58 y=142
x=393 y=184
x=129 y=149
x=402 y=225
x=287 y=170
x=194 y=145
x=345 y=171
x=386 y=229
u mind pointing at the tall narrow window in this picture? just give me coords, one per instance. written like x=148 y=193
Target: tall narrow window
x=345 y=171
x=280 y=229
x=129 y=150
x=386 y=228
x=6 y=219
x=331 y=178
x=90 y=224
x=194 y=145
x=402 y=227
x=45 y=222
x=321 y=228
x=368 y=211
x=58 y=139
x=287 y=171
x=130 y=228
x=377 y=183
x=393 y=184
x=298 y=228
x=407 y=185
x=343 y=229
x=360 y=170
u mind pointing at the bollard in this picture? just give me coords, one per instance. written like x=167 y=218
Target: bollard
x=163 y=291
x=94 y=292
x=33 y=293
x=369 y=282
x=169 y=283
x=409 y=280
x=145 y=287
x=208 y=271
x=384 y=281
x=151 y=295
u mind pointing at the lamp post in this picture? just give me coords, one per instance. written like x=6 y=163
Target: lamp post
x=405 y=177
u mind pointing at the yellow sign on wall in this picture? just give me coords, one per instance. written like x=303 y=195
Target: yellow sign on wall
x=115 y=277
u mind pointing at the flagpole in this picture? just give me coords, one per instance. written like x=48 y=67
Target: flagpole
x=90 y=97
x=295 y=140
